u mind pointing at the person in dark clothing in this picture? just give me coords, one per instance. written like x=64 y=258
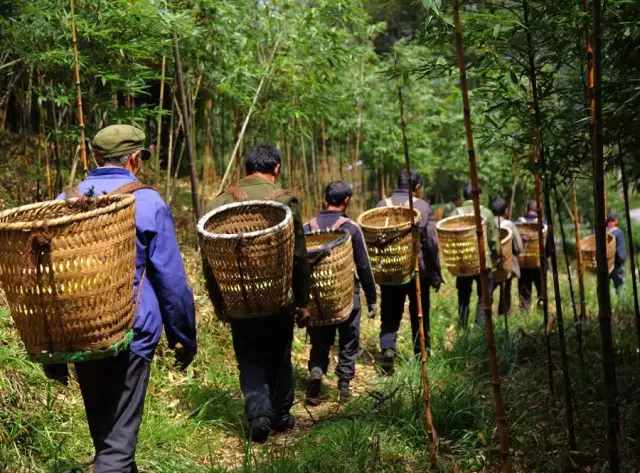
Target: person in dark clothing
x=114 y=389
x=464 y=285
x=393 y=297
x=617 y=275
x=263 y=345
x=337 y=196
x=530 y=277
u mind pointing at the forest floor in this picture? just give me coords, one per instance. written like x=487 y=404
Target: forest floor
x=193 y=421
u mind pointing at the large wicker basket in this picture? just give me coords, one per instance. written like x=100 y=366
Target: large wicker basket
x=67 y=269
x=387 y=232
x=588 y=246
x=459 y=244
x=332 y=276
x=529 y=257
x=249 y=246
x=502 y=270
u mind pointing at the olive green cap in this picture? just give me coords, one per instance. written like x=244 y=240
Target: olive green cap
x=120 y=140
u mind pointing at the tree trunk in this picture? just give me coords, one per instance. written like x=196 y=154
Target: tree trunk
x=484 y=274
x=76 y=63
x=579 y=264
x=159 y=121
x=314 y=169
x=308 y=196
x=325 y=164
x=167 y=190
x=380 y=176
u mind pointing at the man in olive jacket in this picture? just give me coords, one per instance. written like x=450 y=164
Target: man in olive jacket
x=263 y=345
x=465 y=284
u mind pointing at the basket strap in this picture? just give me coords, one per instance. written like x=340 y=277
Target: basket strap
x=72 y=192
x=388 y=202
x=278 y=194
x=237 y=194
x=131 y=187
x=341 y=221
x=313 y=224
x=136 y=306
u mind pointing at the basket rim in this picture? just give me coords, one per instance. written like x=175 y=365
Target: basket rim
x=232 y=236
x=531 y=224
x=461 y=229
x=123 y=200
x=593 y=236
x=343 y=238
x=379 y=209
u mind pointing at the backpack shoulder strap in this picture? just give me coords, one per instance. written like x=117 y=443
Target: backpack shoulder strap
x=313 y=223
x=72 y=192
x=388 y=202
x=341 y=221
x=131 y=187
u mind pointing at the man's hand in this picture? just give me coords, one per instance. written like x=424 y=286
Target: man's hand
x=373 y=310
x=59 y=373
x=184 y=356
x=302 y=316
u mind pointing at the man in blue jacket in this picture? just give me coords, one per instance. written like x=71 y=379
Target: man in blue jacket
x=114 y=389
x=617 y=275
x=337 y=196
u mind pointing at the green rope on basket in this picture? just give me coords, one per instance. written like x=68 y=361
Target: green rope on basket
x=65 y=357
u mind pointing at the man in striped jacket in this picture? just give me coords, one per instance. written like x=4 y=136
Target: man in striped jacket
x=337 y=196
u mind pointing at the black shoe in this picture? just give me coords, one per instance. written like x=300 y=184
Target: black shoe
x=284 y=424
x=259 y=429
x=387 y=361
x=344 y=391
x=314 y=388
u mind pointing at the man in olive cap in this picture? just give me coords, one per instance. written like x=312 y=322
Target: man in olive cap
x=113 y=389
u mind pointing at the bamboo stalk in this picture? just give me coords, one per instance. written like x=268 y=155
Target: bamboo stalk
x=187 y=129
x=305 y=168
x=632 y=249
x=433 y=435
x=579 y=262
x=83 y=145
x=314 y=169
x=604 y=297
x=170 y=151
x=159 y=121
x=484 y=274
x=566 y=382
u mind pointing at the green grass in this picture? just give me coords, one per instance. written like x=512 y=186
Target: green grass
x=193 y=421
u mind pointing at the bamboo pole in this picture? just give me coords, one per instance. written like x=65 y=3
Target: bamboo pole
x=170 y=151
x=83 y=145
x=433 y=435
x=484 y=272
x=566 y=381
x=632 y=249
x=579 y=257
x=159 y=121
x=604 y=296
x=187 y=129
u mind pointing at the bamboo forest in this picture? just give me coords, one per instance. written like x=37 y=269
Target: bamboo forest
x=163 y=309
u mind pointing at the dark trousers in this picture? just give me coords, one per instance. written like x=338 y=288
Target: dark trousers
x=392 y=308
x=465 y=288
x=263 y=353
x=322 y=339
x=529 y=277
x=504 y=304
x=617 y=276
x=113 y=390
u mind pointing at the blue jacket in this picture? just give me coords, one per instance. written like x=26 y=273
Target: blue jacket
x=621 y=247
x=166 y=297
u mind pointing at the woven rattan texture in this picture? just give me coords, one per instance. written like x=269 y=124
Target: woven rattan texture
x=459 y=244
x=588 y=246
x=332 y=279
x=394 y=264
x=67 y=270
x=502 y=270
x=253 y=272
x=529 y=257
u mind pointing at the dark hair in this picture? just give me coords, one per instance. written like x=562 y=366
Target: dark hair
x=532 y=206
x=403 y=181
x=337 y=192
x=467 y=191
x=455 y=196
x=612 y=216
x=498 y=206
x=263 y=158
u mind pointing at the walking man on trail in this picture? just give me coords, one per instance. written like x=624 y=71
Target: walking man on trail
x=337 y=196
x=530 y=277
x=114 y=389
x=617 y=275
x=263 y=345
x=452 y=205
x=465 y=284
x=501 y=212
x=393 y=297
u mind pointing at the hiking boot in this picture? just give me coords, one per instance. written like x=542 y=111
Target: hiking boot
x=344 y=391
x=259 y=429
x=387 y=361
x=284 y=424
x=314 y=387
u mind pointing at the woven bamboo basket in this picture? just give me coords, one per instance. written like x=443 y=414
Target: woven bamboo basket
x=67 y=269
x=249 y=246
x=459 y=244
x=332 y=276
x=387 y=232
x=502 y=270
x=588 y=246
x=529 y=257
